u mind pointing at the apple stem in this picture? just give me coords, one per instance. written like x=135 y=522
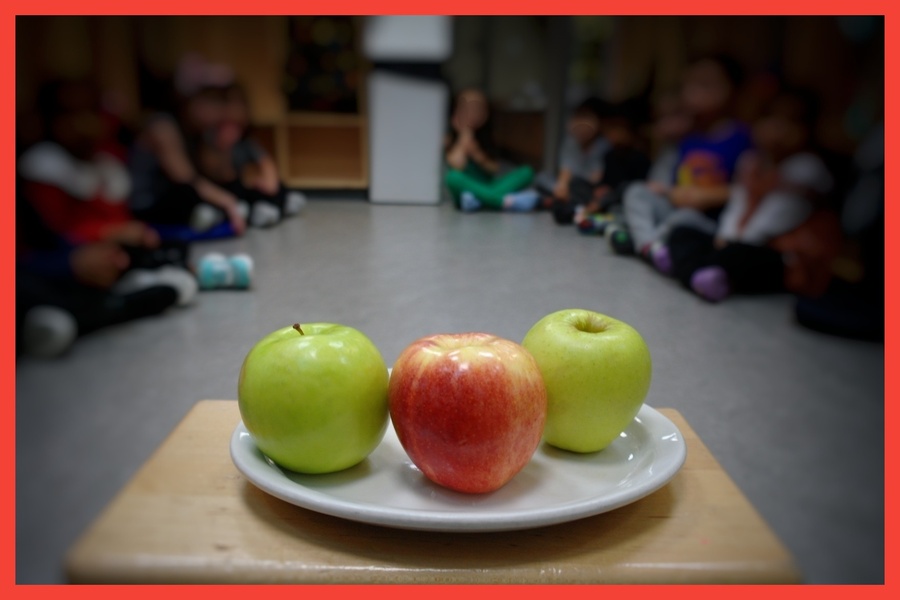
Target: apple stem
x=297 y=327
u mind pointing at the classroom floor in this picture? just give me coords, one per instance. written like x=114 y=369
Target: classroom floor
x=795 y=417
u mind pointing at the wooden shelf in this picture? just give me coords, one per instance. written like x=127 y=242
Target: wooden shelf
x=323 y=150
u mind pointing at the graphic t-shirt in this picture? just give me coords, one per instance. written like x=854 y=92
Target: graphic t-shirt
x=708 y=160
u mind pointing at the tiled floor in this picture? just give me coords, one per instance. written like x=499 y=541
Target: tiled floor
x=794 y=416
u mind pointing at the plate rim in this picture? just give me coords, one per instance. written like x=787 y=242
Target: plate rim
x=271 y=481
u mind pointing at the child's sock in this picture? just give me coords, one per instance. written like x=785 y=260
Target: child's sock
x=468 y=202
x=523 y=201
x=711 y=283
x=661 y=258
x=294 y=202
x=48 y=331
x=264 y=214
x=205 y=217
x=620 y=239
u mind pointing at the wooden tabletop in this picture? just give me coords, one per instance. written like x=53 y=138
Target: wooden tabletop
x=189 y=516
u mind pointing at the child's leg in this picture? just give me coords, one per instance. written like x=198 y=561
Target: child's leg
x=173 y=207
x=459 y=181
x=644 y=211
x=689 y=250
x=686 y=217
x=752 y=269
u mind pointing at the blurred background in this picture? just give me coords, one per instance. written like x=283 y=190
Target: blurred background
x=533 y=70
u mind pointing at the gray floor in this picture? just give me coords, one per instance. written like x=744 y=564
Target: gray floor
x=795 y=417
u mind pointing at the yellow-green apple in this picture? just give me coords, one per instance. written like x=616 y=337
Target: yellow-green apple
x=597 y=371
x=314 y=397
x=468 y=408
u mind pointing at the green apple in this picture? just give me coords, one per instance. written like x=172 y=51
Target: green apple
x=597 y=371
x=314 y=397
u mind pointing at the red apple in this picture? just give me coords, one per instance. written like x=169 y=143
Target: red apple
x=468 y=408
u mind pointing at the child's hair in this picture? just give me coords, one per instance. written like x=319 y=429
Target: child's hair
x=798 y=104
x=55 y=98
x=593 y=106
x=730 y=67
x=483 y=133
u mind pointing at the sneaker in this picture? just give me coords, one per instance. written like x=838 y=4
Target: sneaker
x=294 y=202
x=661 y=258
x=468 y=202
x=205 y=217
x=181 y=280
x=523 y=201
x=242 y=271
x=594 y=224
x=619 y=239
x=711 y=283
x=214 y=272
x=48 y=331
x=264 y=214
x=217 y=271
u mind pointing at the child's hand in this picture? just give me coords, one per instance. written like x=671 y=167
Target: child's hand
x=600 y=192
x=99 y=265
x=561 y=190
x=683 y=196
x=658 y=188
x=237 y=220
x=132 y=233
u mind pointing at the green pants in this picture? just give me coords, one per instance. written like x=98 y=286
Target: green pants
x=490 y=191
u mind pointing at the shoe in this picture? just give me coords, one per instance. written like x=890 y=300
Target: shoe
x=242 y=271
x=181 y=280
x=711 y=283
x=48 y=331
x=620 y=240
x=468 y=202
x=205 y=217
x=214 y=272
x=661 y=258
x=217 y=271
x=294 y=202
x=523 y=201
x=594 y=224
x=264 y=214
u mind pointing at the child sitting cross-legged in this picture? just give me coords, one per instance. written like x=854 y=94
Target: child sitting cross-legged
x=779 y=184
x=473 y=176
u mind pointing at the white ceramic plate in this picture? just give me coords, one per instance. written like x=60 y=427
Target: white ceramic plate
x=555 y=487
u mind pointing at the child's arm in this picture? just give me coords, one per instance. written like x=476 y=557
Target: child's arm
x=165 y=142
x=561 y=189
x=457 y=154
x=269 y=181
x=483 y=160
x=699 y=198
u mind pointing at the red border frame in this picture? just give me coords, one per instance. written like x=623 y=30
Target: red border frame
x=459 y=7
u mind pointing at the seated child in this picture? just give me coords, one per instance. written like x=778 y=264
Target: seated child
x=699 y=185
x=167 y=186
x=473 y=176
x=625 y=162
x=76 y=177
x=581 y=159
x=779 y=184
x=230 y=157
